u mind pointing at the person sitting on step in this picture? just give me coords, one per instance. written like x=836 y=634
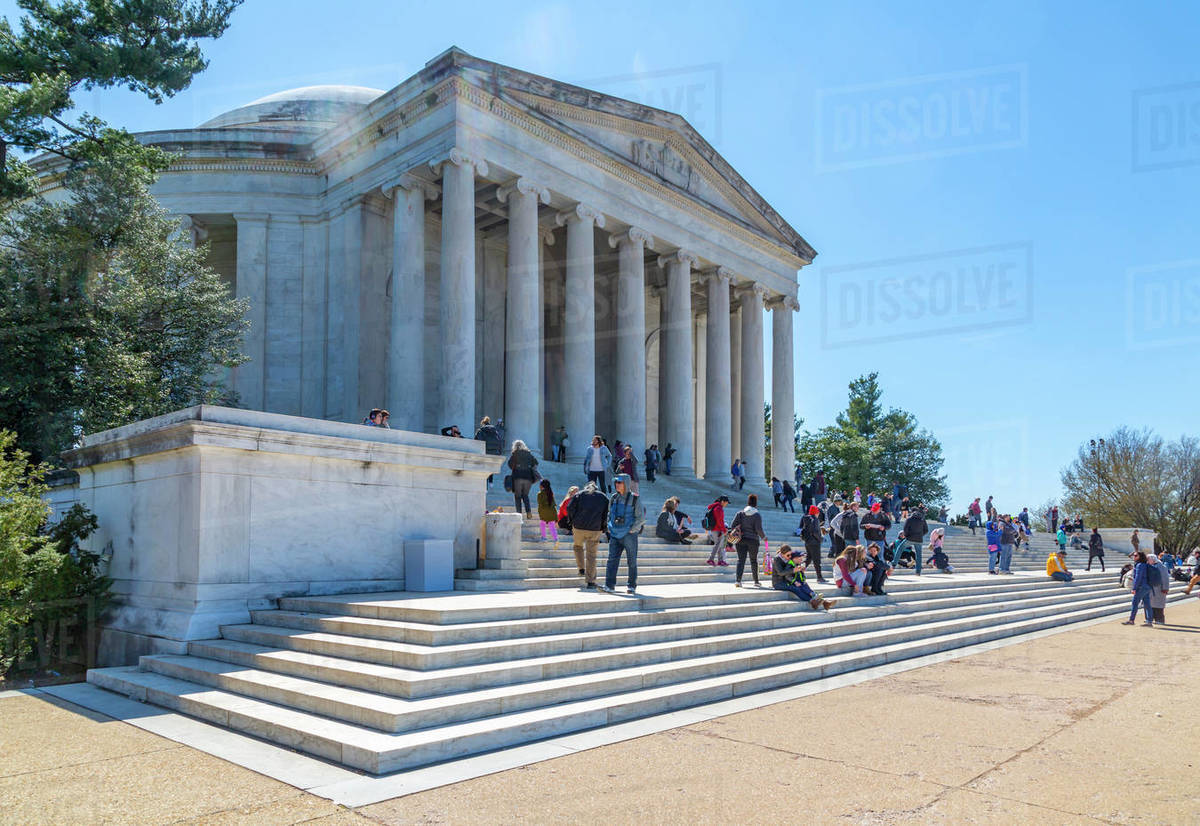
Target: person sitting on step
x=904 y=555
x=937 y=557
x=1056 y=566
x=667 y=527
x=787 y=574
x=877 y=570
x=848 y=569
x=685 y=523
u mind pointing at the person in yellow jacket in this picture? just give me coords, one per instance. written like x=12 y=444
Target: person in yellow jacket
x=1056 y=566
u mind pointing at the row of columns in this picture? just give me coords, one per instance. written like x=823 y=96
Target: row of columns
x=729 y=434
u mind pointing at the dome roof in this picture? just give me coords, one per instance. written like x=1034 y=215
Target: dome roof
x=312 y=106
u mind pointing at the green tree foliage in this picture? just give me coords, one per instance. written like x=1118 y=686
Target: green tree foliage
x=59 y=48
x=870 y=448
x=1133 y=478
x=864 y=413
x=50 y=588
x=105 y=315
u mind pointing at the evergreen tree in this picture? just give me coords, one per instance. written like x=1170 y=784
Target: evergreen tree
x=106 y=316
x=59 y=48
x=870 y=448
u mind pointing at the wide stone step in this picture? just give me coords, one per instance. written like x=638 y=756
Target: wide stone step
x=433 y=634
x=773 y=628
x=448 y=608
x=314 y=692
x=550 y=660
x=377 y=752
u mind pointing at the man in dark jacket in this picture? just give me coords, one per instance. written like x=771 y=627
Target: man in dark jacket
x=1008 y=538
x=810 y=532
x=588 y=512
x=916 y=527
x=487 y=433
x=875 y=525
x=850 y=527
x=1095 y=549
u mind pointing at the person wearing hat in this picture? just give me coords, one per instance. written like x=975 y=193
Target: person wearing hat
x=875 y=525
x=626 y=517
x=1056 y=566
x=811 y=532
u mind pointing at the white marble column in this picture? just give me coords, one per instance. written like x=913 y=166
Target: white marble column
x=753 y=449
x=630 y=402
x=523 y=325
x=351 y=285
x=579 y=325
x=456 y=304
x=676 y=402
x=249 y=378
x=718 y=425
x=783 y=399
x=495 y=287
x=406 y=339
x=735 y=382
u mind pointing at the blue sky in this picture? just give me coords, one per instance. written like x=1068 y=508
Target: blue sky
x=1015 y=185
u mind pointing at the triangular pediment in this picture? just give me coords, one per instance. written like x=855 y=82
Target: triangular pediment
x=655 y=151
x=656 y=143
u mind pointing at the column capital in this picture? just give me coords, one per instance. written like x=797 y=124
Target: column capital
x=411 y=183
x=580 y=212
x=680 y=256
x=780 y=302
x=632 y=235
x=460 y=157
x=525 y=186
x=753 y=288
x=722 y=275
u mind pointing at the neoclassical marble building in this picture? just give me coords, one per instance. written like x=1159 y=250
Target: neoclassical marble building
x=484 y=241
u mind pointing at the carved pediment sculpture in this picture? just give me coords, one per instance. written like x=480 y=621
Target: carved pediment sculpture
x=661 y=160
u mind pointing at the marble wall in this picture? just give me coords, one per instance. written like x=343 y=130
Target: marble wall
x=210 y=512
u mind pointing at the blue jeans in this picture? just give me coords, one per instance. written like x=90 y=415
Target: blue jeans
x=1006 y=552
x=1143 y=596
x=993 y=558
x=667 y=466
x=802 y=590
x=627 y=543
x=1062 y=576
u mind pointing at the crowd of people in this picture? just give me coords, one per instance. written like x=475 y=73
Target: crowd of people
x=856 y=525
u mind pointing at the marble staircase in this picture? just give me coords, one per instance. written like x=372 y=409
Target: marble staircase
x=386 y=682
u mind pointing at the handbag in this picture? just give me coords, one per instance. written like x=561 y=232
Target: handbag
x=508 y=483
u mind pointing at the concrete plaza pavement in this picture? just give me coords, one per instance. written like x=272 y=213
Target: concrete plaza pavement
x=1095 y=724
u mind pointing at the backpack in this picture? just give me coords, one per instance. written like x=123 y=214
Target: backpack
x=850 y=527
x=709 y=520
x=808 y=527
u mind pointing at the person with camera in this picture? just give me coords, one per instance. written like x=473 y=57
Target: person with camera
x=626 y=517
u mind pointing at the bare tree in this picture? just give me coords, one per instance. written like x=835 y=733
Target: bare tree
x=1136 y=479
